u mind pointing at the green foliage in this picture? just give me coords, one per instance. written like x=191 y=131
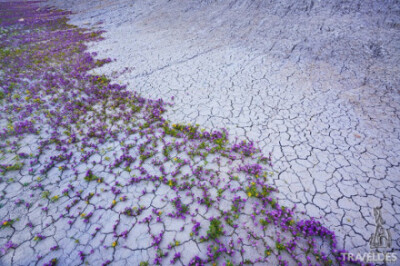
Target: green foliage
x=267 y=252
x=251 y=191
x=91 y=177
x=55 y=198
x=167 y=150
x=208 y=202
x=145 y=156
x=45 y=194
x=280 y=246
x=264 y=222
x=184 y=208
x=15 y=167
x=203 y=145
x=228 y=263
x=134 y=108
x=273 y=203
x=215 y=229
x=7 y=223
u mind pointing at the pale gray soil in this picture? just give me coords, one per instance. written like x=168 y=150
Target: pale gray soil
x=314 y=82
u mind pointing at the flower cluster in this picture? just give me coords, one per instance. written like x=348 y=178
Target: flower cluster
x=7 y=246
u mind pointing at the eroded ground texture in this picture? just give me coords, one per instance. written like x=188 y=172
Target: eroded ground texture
x=93 y=172
x=314 y=82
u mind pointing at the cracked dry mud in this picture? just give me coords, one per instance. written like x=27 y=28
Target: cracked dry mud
x=314 y=83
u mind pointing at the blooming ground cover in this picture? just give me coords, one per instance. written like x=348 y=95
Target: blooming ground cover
x=91 y=172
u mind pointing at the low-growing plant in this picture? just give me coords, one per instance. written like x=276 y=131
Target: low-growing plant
x=215 y=230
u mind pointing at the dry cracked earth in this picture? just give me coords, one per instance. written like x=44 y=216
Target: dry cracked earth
x=314 y=83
